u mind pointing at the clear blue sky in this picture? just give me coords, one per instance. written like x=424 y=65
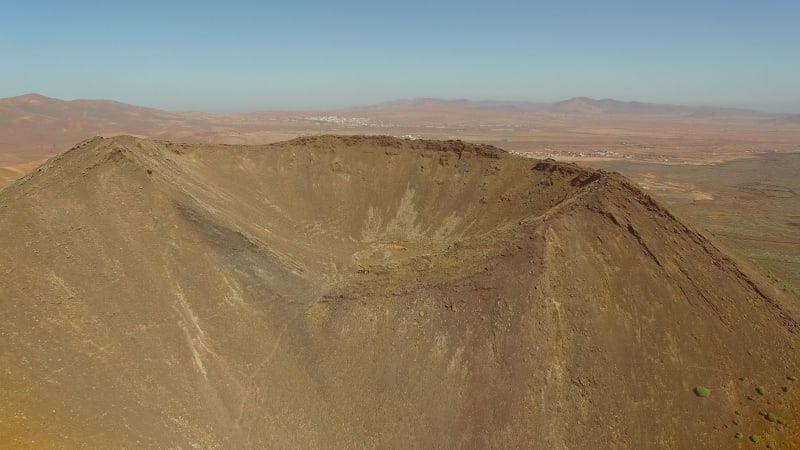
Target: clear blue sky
x=244 y=56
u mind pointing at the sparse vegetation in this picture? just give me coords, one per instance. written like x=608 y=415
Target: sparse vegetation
x=702 y=391
x=760 y=390
x=774 y=418
x=788 y=287
x=755 y=438
x=738 y=435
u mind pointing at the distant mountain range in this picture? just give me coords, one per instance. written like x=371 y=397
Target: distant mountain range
x=794 y=118
x=34 y=127
x=32 y=108
x=580 y=106
x=48 y=124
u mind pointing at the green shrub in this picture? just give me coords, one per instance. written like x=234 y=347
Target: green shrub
x=775 y=418
x=755 y=438
x=760 y=390
x=702 y=391
x=738 y=435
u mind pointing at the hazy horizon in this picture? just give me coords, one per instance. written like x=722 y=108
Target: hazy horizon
x=239 y=57
x=769 y=109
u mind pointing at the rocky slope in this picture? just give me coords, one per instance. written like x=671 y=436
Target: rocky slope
x=341 y=292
